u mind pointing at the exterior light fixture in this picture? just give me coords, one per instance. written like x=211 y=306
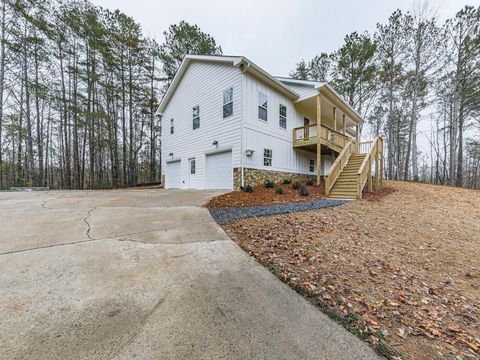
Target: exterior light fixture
x=215 y=143
x=171 y=154
x=249 y=153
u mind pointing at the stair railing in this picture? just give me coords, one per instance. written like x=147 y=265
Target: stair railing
x=364 y=172
x=337 y=167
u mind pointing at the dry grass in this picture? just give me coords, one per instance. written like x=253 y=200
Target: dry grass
x=400 y=268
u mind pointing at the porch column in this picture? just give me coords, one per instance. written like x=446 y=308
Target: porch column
x=334 y=118
x=344 y=124
x=357 y=135
x=319 y=145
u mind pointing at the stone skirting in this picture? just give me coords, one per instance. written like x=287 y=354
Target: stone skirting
x=256 y=177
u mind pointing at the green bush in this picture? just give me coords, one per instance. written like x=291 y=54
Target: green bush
x=279 y=191
x=287 y=181
x=248 y=188
x=310 y=182
x=296 y=185
x=269 y=184
x=303 y=191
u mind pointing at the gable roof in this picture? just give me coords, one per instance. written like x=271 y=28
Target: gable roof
x=276 y=82
x=238 y=61
x=327 y=90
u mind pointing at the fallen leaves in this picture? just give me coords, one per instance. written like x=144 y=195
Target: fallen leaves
x=389 y=272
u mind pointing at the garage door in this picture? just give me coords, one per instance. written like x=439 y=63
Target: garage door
x=172 y=175
x=219 y=171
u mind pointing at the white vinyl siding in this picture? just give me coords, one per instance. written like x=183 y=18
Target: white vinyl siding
x=203 y=84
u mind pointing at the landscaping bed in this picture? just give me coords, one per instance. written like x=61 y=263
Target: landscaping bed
x=400 y=269
x=262 y=195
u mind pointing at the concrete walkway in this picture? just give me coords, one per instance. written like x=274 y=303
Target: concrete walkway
x=144 y=274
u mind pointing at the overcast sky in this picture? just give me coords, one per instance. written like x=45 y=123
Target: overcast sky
x=275 y=34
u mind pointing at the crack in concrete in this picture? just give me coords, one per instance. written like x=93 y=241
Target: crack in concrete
x=110 y=238
x=85 y=220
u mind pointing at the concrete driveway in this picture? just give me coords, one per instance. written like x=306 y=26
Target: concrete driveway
x=144 y=274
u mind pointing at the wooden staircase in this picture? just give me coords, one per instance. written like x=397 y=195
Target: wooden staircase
x=346 y=186
x=357 y=165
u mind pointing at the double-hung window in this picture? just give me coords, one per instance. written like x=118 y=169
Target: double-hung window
x=262 y=106
x=311 y=166
x=172 y=129
x=192 y=166
x=196 y=117
x=282 y=120
x=267 y=157
x=228 y=103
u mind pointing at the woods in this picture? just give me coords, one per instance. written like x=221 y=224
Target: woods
x=79 y=87
x=414 y=77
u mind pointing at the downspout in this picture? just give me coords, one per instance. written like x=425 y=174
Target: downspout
x=243 y=67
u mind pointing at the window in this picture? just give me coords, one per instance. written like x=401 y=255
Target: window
x=228 y=103
x=171 y=126
x=283 y=117
x=311 y=166
x=192 y=166
x=262 y=106
x=267 y=157
x=196 y=117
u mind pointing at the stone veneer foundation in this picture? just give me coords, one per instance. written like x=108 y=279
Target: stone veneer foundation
x=256 y=177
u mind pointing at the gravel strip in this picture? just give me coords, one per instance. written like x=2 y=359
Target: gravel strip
x=225 y=215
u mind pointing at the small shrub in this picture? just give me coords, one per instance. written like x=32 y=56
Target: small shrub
x=303 y=191
x=269 y=184
x=287 y=181
x=248 y=188
x=279 y=191
x=310 y=182
x=296 y=185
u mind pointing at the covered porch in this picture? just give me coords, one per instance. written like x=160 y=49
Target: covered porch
x=330 y=124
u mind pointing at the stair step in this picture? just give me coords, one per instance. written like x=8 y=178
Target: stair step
x=344 y=196
x=346 y=181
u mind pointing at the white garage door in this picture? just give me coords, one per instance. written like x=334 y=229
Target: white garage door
x=173 y=175
x=219 y=171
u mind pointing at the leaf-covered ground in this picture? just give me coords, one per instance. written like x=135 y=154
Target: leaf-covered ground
x=401 y=269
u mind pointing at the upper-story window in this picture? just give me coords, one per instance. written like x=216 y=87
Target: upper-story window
x=262 y=106
x=228 y=103
x=172 y=129
x=196 y=117
x=267 y=157
x=282 y=121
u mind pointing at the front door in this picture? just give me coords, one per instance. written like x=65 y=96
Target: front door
x=306 y=122
x=192 y=169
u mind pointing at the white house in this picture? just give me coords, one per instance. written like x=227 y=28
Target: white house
x=227 y=123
